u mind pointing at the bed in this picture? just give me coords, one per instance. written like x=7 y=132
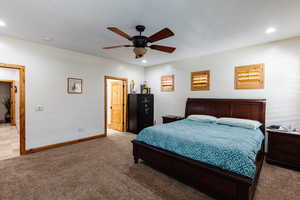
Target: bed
x=220 y=182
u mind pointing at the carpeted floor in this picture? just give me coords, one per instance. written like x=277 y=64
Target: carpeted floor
x=104 y=169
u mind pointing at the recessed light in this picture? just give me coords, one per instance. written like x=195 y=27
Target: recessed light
x=144 y=61
x=2 y=23
x=270 y=30
x=47 y=39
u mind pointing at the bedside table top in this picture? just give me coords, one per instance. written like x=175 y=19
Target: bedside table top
x=173 y=116
x=284 y=132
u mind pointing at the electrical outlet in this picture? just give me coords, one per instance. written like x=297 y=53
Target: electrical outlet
x=39 y=108
x=80 y=130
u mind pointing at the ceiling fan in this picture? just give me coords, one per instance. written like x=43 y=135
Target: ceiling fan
x=140 y=42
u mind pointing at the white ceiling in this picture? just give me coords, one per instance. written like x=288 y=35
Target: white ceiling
x=200 y=26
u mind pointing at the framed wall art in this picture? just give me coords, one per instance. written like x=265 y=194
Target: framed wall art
x=75 y=86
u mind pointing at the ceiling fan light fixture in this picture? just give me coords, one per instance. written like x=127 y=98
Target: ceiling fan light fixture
x=140 y=42
x=2 y=23
x=271 y=30
x=139 y=51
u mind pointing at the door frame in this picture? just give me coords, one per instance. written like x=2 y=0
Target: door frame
x=125 y=92
x=12 y=100
x=21 y=103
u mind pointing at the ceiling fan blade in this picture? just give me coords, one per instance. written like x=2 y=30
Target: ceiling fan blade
x=163 y=48
x=164 y=33
x=119 y=32
x=118 y=46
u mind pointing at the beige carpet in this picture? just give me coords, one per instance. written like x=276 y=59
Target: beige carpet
x=103 y=169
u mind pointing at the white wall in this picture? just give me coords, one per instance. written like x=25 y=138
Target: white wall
x=70 y=116
x=12 y=74
x=65 y=116
x=282 y=80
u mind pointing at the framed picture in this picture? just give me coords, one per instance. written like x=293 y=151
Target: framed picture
x=74 y=86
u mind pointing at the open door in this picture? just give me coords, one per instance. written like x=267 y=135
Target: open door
x=13 y=103
x=12 y=91
x=117 y=105
x=21 y=104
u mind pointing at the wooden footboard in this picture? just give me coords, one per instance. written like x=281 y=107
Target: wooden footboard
x=211 y=180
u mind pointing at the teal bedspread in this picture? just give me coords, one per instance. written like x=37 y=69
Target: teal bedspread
x=227 y=147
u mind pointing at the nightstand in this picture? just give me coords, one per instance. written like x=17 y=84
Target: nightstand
x=284 y=148
x=171 y=118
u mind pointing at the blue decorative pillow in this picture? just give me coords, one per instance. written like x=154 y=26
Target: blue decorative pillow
x=203 y=118
x=244 y=123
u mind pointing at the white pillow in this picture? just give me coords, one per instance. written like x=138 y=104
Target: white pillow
x=203 y=118
x=244 y=123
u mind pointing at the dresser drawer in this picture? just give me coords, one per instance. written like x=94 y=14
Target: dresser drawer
x=285 y=142
x=285 y=158
x=285 y=138
x=290 y=148
x=284 y=148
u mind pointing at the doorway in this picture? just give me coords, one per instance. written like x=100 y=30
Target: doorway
x=12 y=100
x=9 y=129
x=115 y=104
x=8 y=90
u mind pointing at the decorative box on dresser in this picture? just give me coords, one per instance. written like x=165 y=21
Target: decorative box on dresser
x=140 y=112
x=171 y=118
x=284 y=148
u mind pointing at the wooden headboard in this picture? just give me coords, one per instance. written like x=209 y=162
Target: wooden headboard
x=254 y=109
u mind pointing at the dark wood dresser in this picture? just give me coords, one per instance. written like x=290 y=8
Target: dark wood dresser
x=140 y=112
x=171 y=118
x=284 y=148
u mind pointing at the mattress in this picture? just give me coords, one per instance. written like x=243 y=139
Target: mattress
x=227 y=147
